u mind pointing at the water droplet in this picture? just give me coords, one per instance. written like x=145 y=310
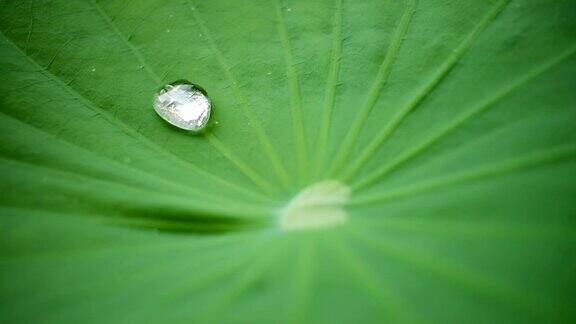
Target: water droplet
x=289 y=9
x=168 y=30
x=93 y=69
x=140 y=67
x=184 y=106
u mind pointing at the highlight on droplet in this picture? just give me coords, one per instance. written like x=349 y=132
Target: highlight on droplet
x=183 y=105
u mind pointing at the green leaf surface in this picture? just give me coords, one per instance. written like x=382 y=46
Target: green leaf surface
x=442 y=135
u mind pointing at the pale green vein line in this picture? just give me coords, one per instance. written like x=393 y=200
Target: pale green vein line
x=528 y=161
x=439 y=76
x=295 y=100
x=221 y=208
x=129 y=130
x=171 y=258
x=475 y=229
x=492 y=287
x=248 y=276
x=459 y=121
x=240 y=164
x=303 y=281
x=383 y=298
x=128 y=44
x=178 y=266
x=144 y=241
x=225 y=151
x=330 y=93
x=375 y=90
x=177 y=187
x=228 y=265
x=222 y=265
x=246 y=108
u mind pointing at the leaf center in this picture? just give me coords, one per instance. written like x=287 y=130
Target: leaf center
x=320 y=205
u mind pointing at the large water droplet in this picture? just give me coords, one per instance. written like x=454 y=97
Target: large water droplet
x=184 y=106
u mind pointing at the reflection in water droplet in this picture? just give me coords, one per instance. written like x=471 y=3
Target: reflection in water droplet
x=184 y=106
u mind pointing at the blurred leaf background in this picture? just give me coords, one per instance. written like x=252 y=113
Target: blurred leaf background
x=453 y=123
